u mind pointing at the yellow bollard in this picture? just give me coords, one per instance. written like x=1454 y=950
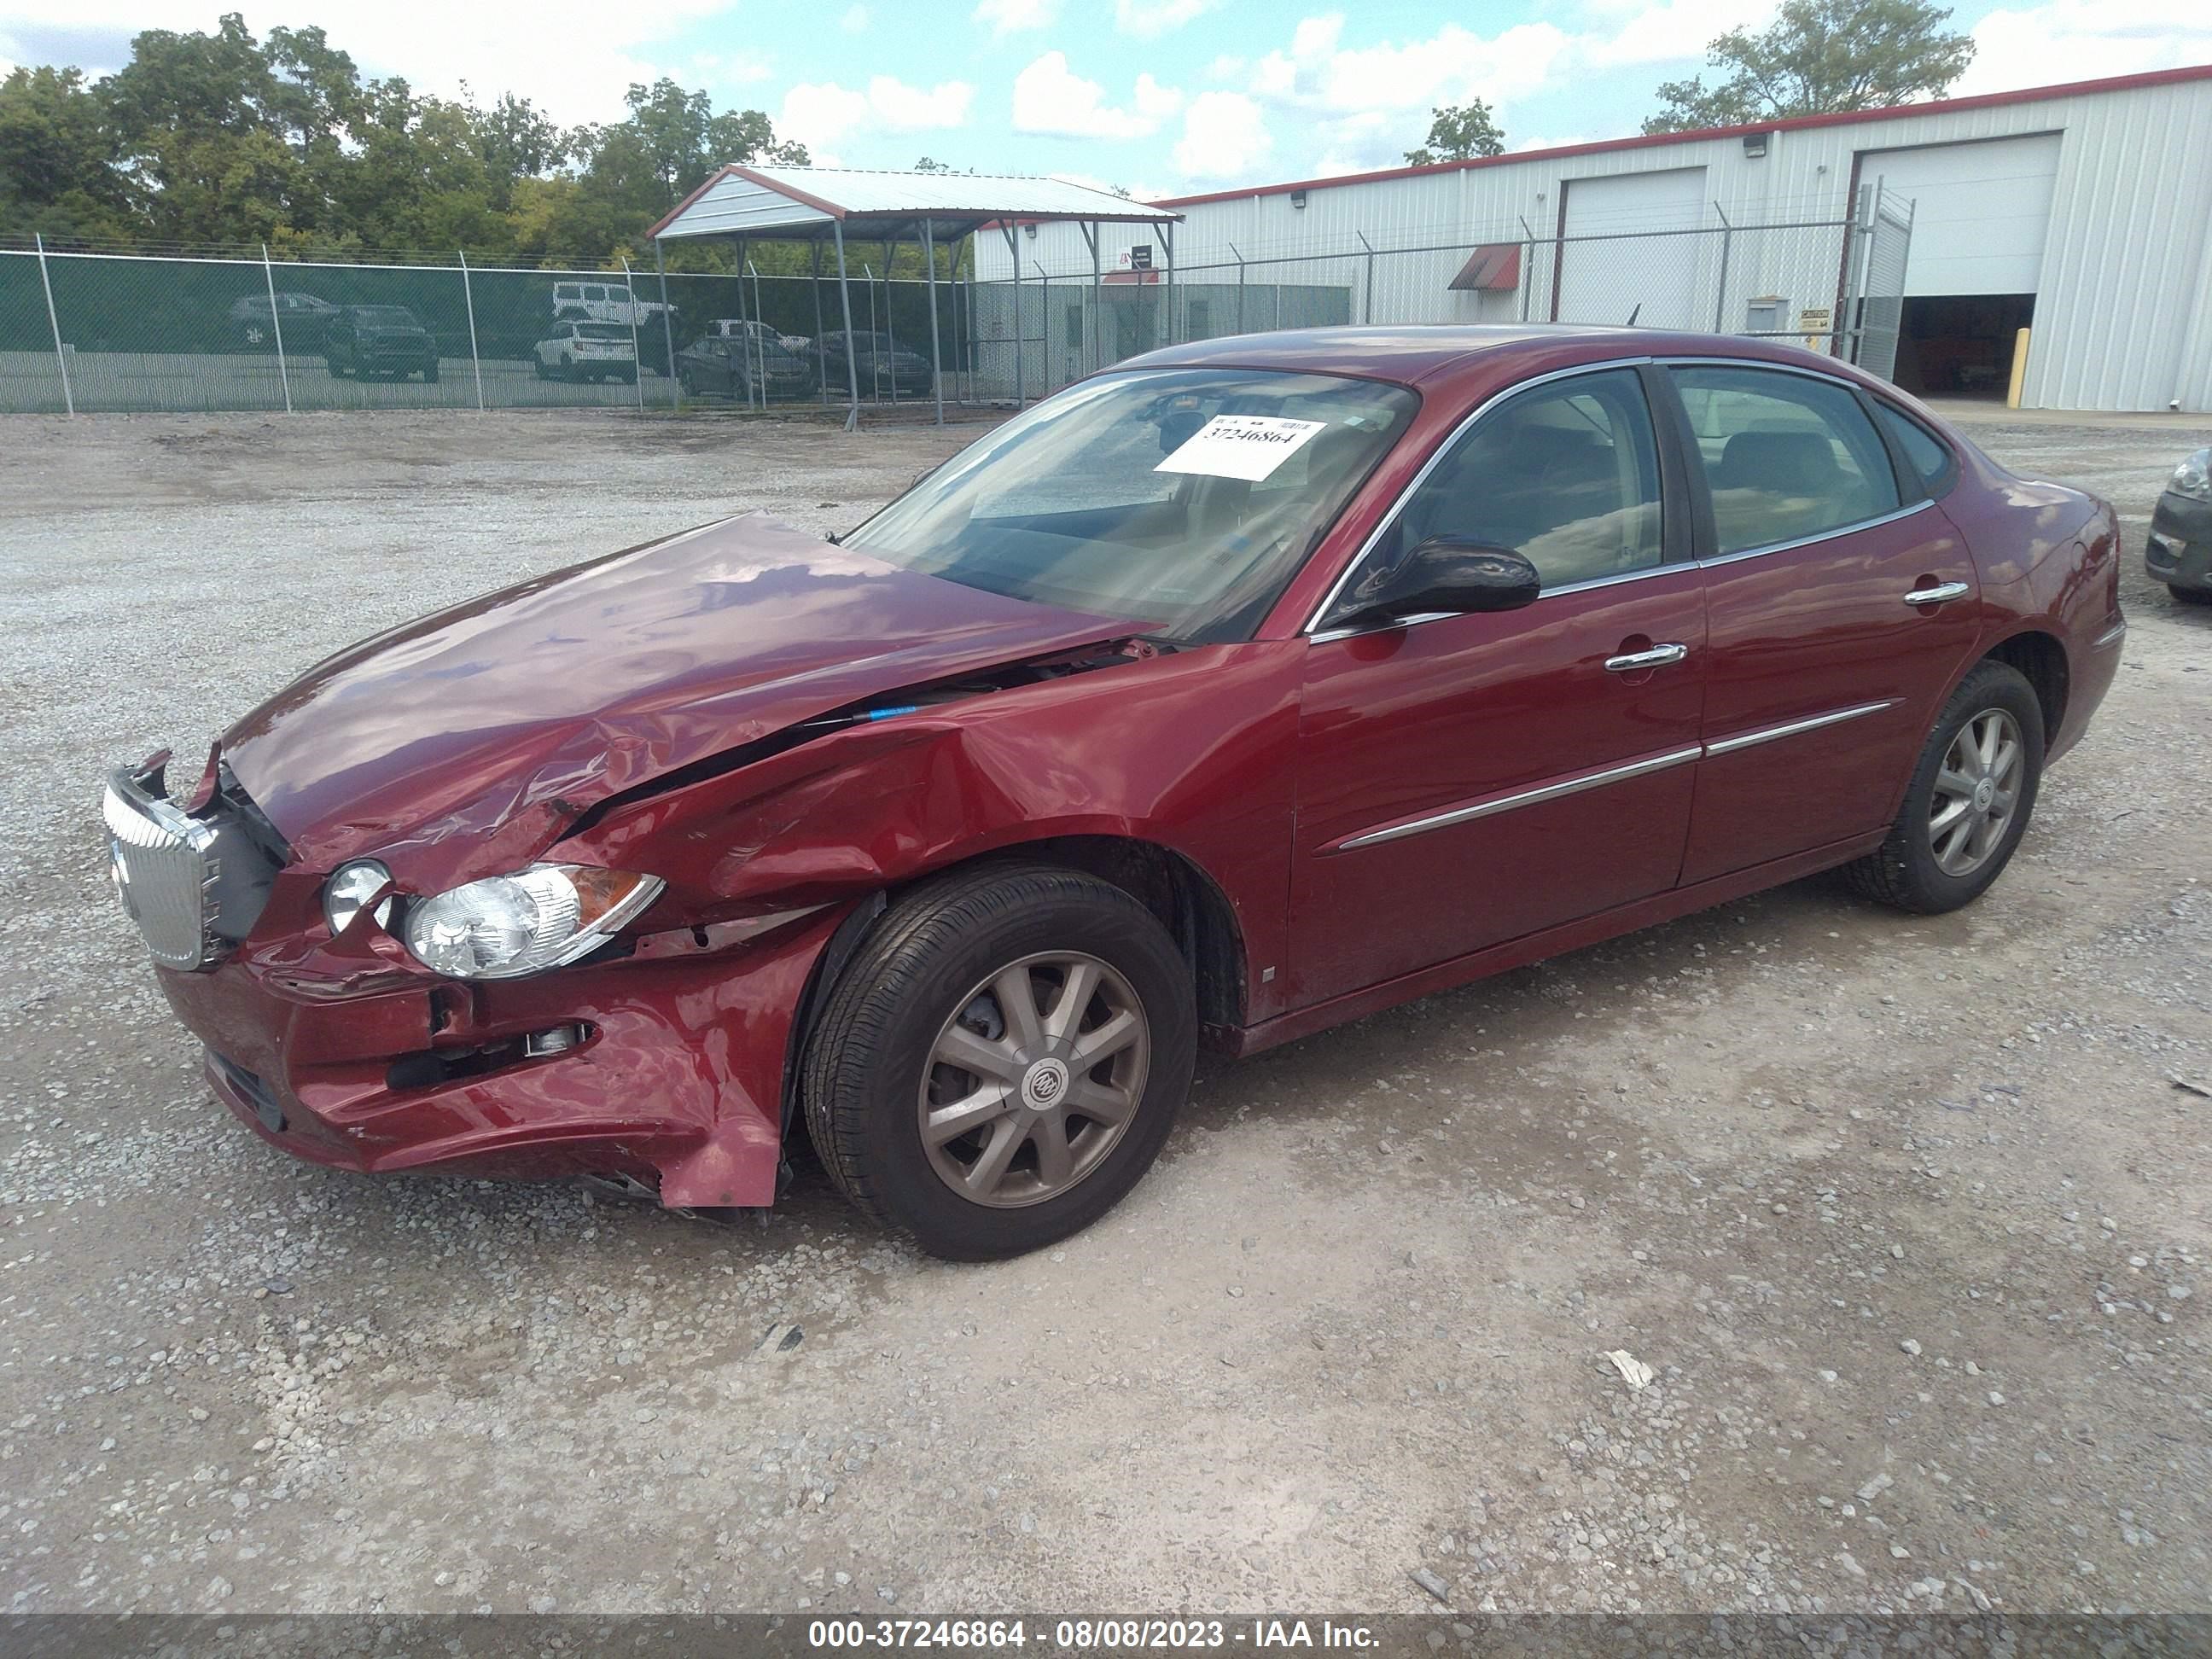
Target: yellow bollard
x=2019 y=368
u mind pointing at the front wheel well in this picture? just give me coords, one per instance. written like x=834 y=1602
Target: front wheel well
x=2041 y=661
x=1187 y=903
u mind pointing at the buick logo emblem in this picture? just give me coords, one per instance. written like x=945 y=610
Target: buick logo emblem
x=1044 y=1085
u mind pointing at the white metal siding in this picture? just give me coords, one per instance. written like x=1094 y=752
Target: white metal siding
x=2123 y=291
x=1981 y=211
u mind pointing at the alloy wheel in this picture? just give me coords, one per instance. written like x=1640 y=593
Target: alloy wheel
x=1976 y=790
x=1033 y=1079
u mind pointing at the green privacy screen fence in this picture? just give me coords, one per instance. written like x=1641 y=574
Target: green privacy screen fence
x=126 y=333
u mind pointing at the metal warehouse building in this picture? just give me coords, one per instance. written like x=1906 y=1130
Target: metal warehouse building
x=1917 y=240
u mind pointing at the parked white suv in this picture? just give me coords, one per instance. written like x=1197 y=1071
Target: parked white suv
x=583 y=350
x=605 y=302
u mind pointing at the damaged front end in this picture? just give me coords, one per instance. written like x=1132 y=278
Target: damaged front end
x=658 y=1055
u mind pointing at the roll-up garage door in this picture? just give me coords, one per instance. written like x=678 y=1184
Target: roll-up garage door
x=1622 y=273
x=1980 y=212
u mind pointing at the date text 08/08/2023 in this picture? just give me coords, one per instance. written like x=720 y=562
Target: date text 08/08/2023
x=1080 y=1635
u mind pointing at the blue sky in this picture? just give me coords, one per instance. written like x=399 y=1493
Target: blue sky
x=1163 y=97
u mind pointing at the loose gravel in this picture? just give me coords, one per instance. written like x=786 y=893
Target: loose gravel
x=1906 y=1218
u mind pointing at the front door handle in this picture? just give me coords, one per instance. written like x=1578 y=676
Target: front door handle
x=1937 y=594
x=1659 y=656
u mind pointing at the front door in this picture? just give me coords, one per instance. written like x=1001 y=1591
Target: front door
x=1466 y=779
x=1823 y=679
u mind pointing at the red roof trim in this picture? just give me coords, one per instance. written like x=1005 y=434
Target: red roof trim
x=1984 y=100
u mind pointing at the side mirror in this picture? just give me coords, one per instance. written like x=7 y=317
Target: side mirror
x=1448 y=573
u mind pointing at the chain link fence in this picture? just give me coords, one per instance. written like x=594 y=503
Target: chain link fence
x=85 y=331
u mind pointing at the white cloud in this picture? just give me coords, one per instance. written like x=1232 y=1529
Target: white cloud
x=2075 y=40
x=855 y=20
x=1051 y=98
x=1148 y=19
x=573 y=58
x=1367 y=105
x=1005 y=17
x=1224 y=137
x=1666 y=34
x=823 y=113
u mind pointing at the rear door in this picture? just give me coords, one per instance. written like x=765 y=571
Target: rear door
x=1842 y=607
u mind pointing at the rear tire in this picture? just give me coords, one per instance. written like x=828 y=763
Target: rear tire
x=430 y=375
x=2190 y=595
x=1052 y=1142
x=1953 y=836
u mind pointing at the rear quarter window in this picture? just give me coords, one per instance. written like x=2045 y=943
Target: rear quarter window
x=1929 y=456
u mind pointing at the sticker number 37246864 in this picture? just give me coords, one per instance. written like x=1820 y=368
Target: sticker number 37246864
x=1249 y=446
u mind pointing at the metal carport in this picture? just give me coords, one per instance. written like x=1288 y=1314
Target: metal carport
x=818 y=205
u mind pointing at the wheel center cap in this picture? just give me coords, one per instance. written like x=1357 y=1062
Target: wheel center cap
x=1984 y=792
x=1044 y=1085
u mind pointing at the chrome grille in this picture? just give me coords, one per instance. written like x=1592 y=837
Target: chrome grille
x=164 y=869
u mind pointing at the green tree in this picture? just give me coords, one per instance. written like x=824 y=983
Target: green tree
x=1820 y=57
x=57 y=172
x=1459 y=132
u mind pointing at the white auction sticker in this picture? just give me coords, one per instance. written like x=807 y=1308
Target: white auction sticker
x=1248 y=447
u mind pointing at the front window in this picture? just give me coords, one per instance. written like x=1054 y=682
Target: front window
x=1565 y=474
x=1183 y=497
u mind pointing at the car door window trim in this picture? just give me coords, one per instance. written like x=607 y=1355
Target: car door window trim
x=1437 y=457
x=1809 y=541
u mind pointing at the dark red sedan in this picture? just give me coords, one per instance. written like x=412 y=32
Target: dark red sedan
x=1248 y=688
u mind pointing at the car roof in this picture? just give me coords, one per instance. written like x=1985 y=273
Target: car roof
x=1423 y=356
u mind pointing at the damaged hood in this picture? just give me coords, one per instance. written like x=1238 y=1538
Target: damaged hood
x=478 y=734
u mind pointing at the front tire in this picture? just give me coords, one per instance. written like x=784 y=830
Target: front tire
x=1002 y=1060
x=1969 y=801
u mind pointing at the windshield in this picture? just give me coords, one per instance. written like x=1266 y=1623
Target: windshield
x=388 y=316
x=1185 y=497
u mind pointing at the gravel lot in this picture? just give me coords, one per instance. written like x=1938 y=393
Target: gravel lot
x=1909 y=1217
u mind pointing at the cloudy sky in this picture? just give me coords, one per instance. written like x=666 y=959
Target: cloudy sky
x=1163 y=96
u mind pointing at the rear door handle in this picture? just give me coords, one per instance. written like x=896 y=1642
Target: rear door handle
x=1659 y=656
x=1937 y=594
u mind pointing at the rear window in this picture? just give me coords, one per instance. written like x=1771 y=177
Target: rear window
x=601 y=331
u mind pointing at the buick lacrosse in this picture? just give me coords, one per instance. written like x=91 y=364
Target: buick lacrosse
x=1244 y=689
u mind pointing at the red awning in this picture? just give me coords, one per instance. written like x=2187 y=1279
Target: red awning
x=1494 y=267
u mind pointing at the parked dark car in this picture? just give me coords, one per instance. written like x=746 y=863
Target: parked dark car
x=303 y=317
x=1245 y=689
x=379 y=343
x=2179 y=551
x=885 y=369
x=742 y=368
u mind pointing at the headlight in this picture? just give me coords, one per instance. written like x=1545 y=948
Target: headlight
x=350 y=888
x=509 y=926
x=2193 y=477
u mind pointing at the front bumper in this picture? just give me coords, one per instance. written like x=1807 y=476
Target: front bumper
x=2179 y=551
x=354 y=1063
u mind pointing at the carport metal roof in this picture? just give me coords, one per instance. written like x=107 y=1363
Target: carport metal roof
x=823 y=204
x=804 y=203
